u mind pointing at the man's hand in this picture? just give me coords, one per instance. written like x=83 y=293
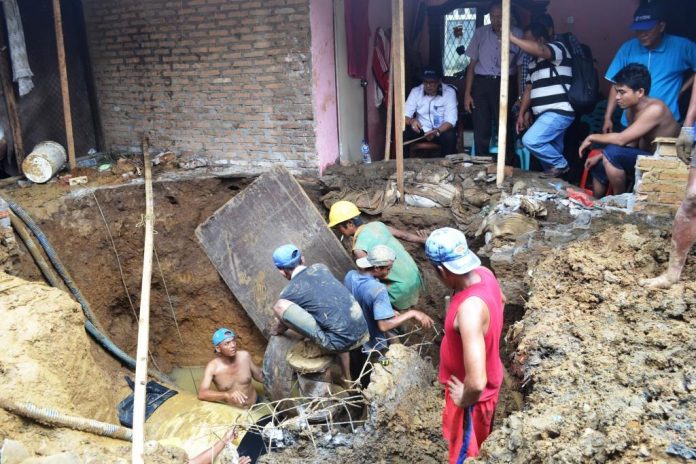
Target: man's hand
x=584 y=145
x=469 y=103
x=416 y=125
x=235 y=397
x=456 y=390
x=522 y=122
x=608 y=126
x=590 y=162
x=423 y=319
x=685 y=144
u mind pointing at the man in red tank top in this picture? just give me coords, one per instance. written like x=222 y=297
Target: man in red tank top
x=470 y=366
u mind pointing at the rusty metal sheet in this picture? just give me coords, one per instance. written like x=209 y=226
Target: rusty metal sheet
x=239 y=238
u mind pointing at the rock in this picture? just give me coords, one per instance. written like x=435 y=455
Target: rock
x=13 y=452
x=62 y=458
x=519 y=187
x=475 y=197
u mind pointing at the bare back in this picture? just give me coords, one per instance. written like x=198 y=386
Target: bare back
x=656 y=116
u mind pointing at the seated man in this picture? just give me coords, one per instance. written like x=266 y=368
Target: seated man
x=231 y=372
x=404 y=280
x=374 y=299
x=431 y=111
x=317 y=306
x=648 y=118
x=548 y=79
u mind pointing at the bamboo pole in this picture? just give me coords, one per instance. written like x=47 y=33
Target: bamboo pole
x=64 y=89
x=390 y=103
x=504 y=89
x=144 y=322
x=399 y=71
x=11 y=101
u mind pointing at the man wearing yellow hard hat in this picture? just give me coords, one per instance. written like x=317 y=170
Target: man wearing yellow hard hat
x=404 y=280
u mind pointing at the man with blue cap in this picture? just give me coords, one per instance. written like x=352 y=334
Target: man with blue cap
x=669 y=59
x=231 y=372
x=317 y=306
x=470 y=366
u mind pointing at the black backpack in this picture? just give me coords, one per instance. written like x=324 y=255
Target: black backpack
x=583 y=92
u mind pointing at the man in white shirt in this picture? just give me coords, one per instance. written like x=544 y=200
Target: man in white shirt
x=431 y=110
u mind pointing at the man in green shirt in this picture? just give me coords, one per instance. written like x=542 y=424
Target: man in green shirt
x=404 y=280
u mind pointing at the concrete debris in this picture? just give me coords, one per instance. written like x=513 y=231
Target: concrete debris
x=194 y=163
x=80 y=180
x=420 y=202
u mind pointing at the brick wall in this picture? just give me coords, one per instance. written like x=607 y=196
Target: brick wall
x=229 y=80
x=660 y=179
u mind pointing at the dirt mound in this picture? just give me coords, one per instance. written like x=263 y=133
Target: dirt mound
x=608 y=365
x=47 y=359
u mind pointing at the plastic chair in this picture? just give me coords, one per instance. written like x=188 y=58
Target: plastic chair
x=585 y=172
x=523 y=154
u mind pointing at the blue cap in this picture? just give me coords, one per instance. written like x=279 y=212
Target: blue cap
x=448 y=247
x=221 y=335
x=287 y=256
x=646 y=17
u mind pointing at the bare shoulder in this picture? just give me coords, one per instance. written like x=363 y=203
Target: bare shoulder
x=472 y=313
x=213 y=365
x=656 y=107
x=243 y=355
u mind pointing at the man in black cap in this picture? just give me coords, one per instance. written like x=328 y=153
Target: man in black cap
x=431 y=110
x=669 y=60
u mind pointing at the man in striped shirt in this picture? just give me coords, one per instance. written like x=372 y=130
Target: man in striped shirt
x=546 y=92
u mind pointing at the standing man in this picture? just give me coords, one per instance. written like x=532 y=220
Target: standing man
x=482 y=87
x=372 y=295
x=549 y=77
x=231 y=372
x=431 y=110
x=668 y=58
x=683 y=230
x=648 y=118
x=470 y=365
x=318 y=307
x=404 y=279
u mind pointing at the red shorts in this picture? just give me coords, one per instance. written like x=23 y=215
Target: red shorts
x=466 y=429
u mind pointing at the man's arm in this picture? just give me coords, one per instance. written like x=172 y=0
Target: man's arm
x=525 y=103
x=256 y=372
x=472 y=318
x=691 y=113
x=423 y=319
x=646 y=122
x=611 y=107
x=468 y=84
x=418 y=237
x=204 y=391
x=533 y=48
x=450 y=112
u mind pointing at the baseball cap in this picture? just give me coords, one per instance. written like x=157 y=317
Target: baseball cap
x=221 y=335
x=646 y=17
x=287 y=256
x=380 y=255
x=430 y=73
x=447 y=246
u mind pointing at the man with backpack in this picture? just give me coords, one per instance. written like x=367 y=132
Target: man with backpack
x=546 y=92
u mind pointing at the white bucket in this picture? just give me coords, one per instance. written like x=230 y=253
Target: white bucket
x=44 y=162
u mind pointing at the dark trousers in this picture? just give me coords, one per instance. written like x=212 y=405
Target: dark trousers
x=446 y=140
x=486 y=94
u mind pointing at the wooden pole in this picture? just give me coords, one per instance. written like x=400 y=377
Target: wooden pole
x=504 y=89
x=390 y=103
x=64 y=89
x=11 y=101
x=144 y=322
x=399 y=71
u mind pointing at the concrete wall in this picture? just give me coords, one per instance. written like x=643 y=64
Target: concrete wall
x=661 y=179
x=229 y=80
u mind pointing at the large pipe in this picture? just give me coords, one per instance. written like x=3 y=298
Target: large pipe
x=55 y=418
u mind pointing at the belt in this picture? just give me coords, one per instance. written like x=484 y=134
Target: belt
x=488 y=76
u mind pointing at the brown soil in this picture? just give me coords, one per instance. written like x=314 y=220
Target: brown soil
x=608 y=365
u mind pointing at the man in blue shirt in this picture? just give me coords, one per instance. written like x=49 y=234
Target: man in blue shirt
x=668 y=58
x=373 y=298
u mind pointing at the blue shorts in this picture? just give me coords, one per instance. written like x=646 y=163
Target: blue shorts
x=623 y=158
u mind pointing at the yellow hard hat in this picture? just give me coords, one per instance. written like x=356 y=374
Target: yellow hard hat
x=341 y=211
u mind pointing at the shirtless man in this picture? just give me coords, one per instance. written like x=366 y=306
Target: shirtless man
x=231 y=372
x=648 y=118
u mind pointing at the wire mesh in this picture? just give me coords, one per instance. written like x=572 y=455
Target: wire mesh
x=460 y=25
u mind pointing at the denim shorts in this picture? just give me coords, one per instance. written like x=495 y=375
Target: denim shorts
x=623 y=158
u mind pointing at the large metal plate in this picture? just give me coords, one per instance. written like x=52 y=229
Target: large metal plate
x=239 y=238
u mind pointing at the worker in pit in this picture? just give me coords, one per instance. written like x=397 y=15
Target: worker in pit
x=373 y=297
x=231 y=371
x=317 y=306
x=404 y=279
x=470 y=365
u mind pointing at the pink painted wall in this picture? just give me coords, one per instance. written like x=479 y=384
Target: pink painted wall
x=324 y=82
x=601 y=24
